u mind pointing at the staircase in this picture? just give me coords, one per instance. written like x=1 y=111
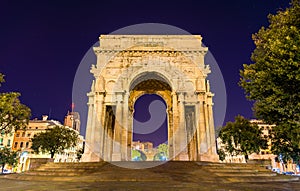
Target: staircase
x=171 y=172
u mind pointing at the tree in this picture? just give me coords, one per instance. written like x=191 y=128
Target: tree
x=163 y=149
x=8 y=157
x=135 y=154
x=13 y=114
x=79 y=153
x=138 y=155
x=221 y=154
x=273 y=79
x=54 y=140
x=242 y=137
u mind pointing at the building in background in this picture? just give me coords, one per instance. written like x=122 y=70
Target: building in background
x=142 y=146
x=6 y=139
x=72 y=119
x=22 y=143
x=228 y=157
x=264 y=154
x=70 y=155
x=145 y=147
x=22 y=138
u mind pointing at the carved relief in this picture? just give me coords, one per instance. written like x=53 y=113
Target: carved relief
x=110 y=85
x=100 y=83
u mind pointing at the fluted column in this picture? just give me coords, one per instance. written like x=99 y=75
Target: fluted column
x=97 y=123
x=129 y=135
x=181 y=129
x=116 y=156
x=124 y=136
x=197 y=123
x=207 y=128
x=173 y=147
x=89 y=130
x=212 y=130
x=202 y=124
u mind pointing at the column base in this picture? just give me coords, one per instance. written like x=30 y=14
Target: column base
x=90 y=157
x=208 y=157
x=116 y=157
x=183 y=157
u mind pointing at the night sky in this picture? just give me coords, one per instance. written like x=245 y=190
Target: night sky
x=42 y=43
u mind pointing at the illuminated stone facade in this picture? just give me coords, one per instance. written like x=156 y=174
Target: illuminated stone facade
x=129 y=66
x=22 y=143
x=72 y=119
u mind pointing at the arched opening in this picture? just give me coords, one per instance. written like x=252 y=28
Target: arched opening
x=150 y=129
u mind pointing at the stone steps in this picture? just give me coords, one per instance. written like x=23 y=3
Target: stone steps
x=261 y=179
x=171 y=171
x=238 y=174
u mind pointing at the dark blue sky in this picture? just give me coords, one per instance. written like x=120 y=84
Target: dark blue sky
x=42 y=43
x=157 y=135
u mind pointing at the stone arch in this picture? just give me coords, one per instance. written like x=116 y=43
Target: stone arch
x=163 y=88
x=143 y=84
x=122 y=62
x=149 y=74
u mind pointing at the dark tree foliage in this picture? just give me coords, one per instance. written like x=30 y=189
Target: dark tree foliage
x=221 y=154
x=273 y=79
x=13 y=114
x=7 y=156
x=242 y=137
x=54 y=140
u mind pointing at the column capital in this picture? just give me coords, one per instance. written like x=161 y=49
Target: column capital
x=199 y=92
x=100 y=93
x=181 y=96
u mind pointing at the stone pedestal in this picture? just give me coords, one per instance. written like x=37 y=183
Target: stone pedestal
x=183 y=157
x=116 y=157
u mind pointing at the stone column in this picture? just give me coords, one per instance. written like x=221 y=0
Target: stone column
x=197 y=123
x=202 y=126
x=88 y=136
x=207 y=128
x=124 y=136
x=129 y=135
x=212 y=130
x=183 y=156
x=172 y=145
x=97 y=124
x=107 y=138
x=116 y=156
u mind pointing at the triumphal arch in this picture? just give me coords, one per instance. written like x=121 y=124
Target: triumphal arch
x=171 y=66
